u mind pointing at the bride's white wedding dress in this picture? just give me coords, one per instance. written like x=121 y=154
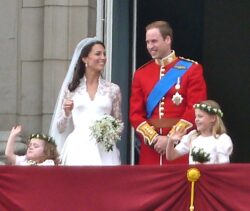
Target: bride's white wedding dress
x=80 y=148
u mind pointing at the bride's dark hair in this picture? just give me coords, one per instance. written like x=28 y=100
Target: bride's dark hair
x=80 y=67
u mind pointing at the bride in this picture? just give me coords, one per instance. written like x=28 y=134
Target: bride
x=85 y=97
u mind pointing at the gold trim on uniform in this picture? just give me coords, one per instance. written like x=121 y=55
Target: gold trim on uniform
x=190 y=60
x=147 y=132
x=167 y=60
x=181 y=126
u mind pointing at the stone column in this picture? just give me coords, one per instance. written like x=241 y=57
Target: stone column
x=66 y=22
x=21 y=57
x=31 y=65
x=9 y=63
x=37 y=40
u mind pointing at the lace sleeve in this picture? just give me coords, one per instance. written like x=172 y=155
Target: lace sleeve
x=63 y=120
x=116 y=102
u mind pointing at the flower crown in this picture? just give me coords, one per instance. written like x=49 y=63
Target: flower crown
x=209 y=109
x=41 y=136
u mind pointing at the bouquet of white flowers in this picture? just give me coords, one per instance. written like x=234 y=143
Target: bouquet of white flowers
x=107 y=131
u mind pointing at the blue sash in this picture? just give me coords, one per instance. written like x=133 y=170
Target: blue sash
x=167 y=81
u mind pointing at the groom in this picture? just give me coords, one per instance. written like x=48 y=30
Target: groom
x=163 y=93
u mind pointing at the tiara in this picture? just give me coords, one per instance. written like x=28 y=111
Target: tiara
x=44 y=137
x=209 y=109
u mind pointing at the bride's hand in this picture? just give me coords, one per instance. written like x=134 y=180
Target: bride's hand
x=68 y=105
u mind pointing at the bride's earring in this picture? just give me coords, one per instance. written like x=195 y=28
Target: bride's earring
x=85 y=62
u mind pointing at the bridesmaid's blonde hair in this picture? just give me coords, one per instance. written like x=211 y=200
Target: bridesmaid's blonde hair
x=212 y=108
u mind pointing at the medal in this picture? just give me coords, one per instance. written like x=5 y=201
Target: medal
x=177 y=98
x=178 y=86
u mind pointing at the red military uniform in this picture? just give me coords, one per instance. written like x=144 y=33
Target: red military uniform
x=192 y=89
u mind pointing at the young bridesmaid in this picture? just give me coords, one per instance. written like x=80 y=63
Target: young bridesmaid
x=41 y=150
x=209 y=143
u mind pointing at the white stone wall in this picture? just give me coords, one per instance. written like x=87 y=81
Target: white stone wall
x=37 y=40
x=9 y=63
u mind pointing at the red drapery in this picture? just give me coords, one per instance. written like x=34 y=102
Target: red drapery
x=220 y=187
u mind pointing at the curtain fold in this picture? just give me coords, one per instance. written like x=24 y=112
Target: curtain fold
x=220 y=187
